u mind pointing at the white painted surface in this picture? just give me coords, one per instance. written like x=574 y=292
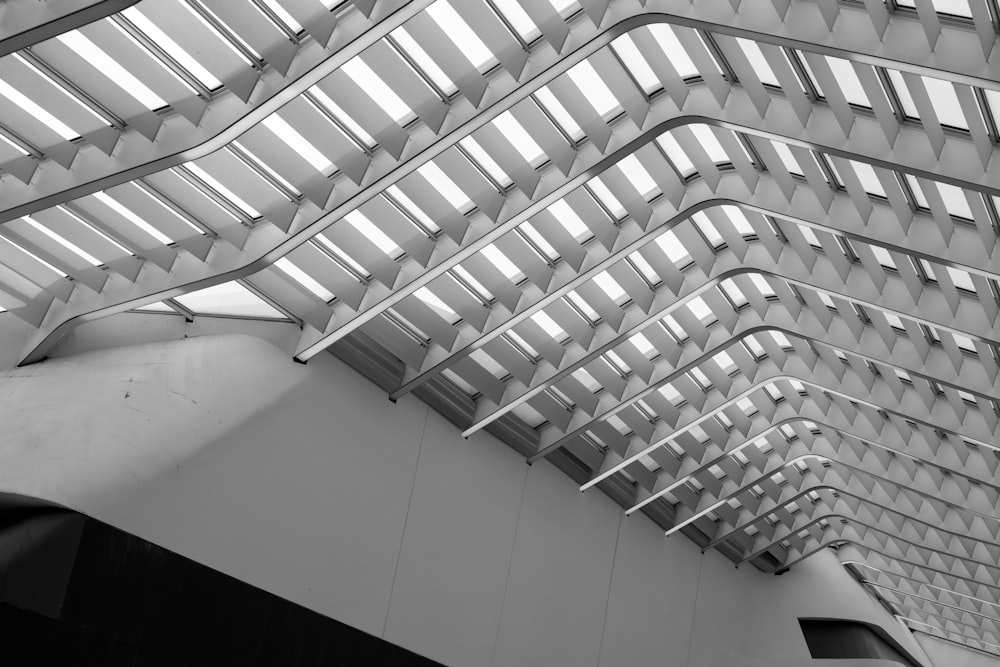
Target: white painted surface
x=307 y=482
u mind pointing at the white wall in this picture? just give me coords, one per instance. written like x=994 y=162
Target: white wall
x=307 y=482
x=944 y=653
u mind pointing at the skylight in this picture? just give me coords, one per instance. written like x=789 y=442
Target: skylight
x=501 y=262
x=342 y=255
x=303 y=278
x=372 y=83
x=412 y=209
x=568 y=218
x=228 y=299
x=211 y=182
x=444 y=185
x=638 y=176
x=483 y=159
x=709 y=143
x=945 y=102
x=373 y=233
x=298 y=143
x=173 y=49
x=593 y=87
x=757 y=61
x=424 y=61
x=611 y=287
x=550 y=253
x=33 y=109
x=461 y=34
x=326 y=102
x=129 y=215
x=515 y=133
x=676 y=154
x=549 y=325
x=518 y=19
x=102 y=62
x=72 y=247
x=678 y=55
x=636 y=64
x=559 y=114
x=606 y=197
x=283 y=15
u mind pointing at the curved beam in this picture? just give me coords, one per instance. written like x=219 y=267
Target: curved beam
x=739 y=115
x=804 y=31
x=720 y=400
x=26 y=24
x=625 y=246
x=659 y=440
x=874 y=349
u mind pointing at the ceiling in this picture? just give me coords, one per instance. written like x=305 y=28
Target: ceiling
x=733 y=263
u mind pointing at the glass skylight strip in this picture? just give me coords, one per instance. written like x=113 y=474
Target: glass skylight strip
x=462 y=35
x=87 y=106
x=72 y=247
x=92 y=54
x=372 y=83
x=298 y=143
x=408 y=207
x=132 y=217
x=597 y=92
x=333 y=108
x=424 y=62
x=222 y=190
x=487 y=163
x=33 y=109
x=519 y=138
x=518 y=19
x=282 y=15
x=304 y=279
x=558 y=113
x=229 y=38
x=174 y=50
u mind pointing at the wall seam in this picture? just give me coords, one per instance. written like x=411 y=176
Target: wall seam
x=510 y=563
x=406 y=520
x=694 y=610
x=611 y=583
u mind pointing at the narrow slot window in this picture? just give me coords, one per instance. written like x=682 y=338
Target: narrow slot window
x=343 y=256
x=638 y=176
x=739 y=220
x=708 y=230
x=550 y=326
x=558 y=113
x=410 y=208
x=72 y=247
x=791 y=164
x=111 y=68
x=502 y=263
x=360 y=222
x=282 y=14
x=424 y=61
x=518 y=19
x=945 y=103
x=432 y=301
x=584 y=307
x=593 y=86
x=33 y=109
x=674 y=249
x=129 y=215
x=679 y=57
x=757 y=61
x=487 y=163
x=334 y=109
x=709 y=143
x=462 y=35
x=550 y=253
x=515 y=133
x=903 y=94
x=172 y=48
x=372 y=83
x=478 y=289
x=304 y=279
x=446 y=187
x=644 y=268
x=222 y=190
x=676 y=154
x=298 y=143
x=636 y=64
x=847 y=79
x=568 y=218
x=604 y=195
x=611 y=287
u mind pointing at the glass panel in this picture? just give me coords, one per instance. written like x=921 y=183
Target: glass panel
x=228 y=299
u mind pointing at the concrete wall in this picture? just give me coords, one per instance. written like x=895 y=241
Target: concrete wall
x=307 y=482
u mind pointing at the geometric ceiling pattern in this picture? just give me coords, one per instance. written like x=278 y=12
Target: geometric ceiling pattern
x=733 y=263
